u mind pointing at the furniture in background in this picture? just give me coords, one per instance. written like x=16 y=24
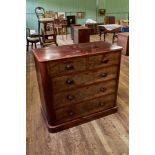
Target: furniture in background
x=81 y=34
x=124 y=22
x=123 y=40
x=109 y=28
x=77 y=83
x=93 y=27
x=49 y=33
x=48 y=29
x=61 y=26
x=109 y=20
x=31 y=39
x=125 y=25
x=72 y=29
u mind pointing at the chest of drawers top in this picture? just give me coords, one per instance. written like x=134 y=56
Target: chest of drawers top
x=75 y=50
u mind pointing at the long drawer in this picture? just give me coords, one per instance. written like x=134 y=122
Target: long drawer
x=103 y=60
x=72 y=81
x=66 y=66
x=85 y=93
x=83 y=109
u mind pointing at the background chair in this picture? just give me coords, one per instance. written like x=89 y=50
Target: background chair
x=40 y=12
x=30 y=39
x=48 y=30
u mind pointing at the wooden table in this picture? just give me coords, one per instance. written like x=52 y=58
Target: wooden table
x=109 y=28
x=123 y=40
x=81 y=34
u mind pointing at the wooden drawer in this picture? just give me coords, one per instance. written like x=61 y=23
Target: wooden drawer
x=72 y=81
x=66 y=66
x=103 y=60
x=85 y=93
x=83 y=109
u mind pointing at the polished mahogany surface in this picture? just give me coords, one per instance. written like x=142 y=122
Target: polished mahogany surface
x=75 y=82
x=75 y=50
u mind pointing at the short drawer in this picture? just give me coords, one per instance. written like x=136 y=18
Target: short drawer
x=66 y=66
x=85 y=108
x=85 y=93
x=106 y=73
x=72 y=81
x=103 y=60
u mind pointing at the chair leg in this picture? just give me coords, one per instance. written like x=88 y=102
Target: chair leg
x=35 y=45
x=66 y=32
x=27 y=46
x=100 y=34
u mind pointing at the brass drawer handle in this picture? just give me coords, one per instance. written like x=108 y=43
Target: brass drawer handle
x=70 y=97
x=103 y=89
x=69 y=67
x=103 y=74
x=71 y=113
x=101 y=104
x=104 y=61
x=69 y=81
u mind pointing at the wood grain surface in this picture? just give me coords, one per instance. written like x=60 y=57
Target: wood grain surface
x=104 y=136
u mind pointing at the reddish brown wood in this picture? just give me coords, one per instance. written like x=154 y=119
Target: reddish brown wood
x=123 y=40
x=97 y=59
x=78 y=121
x=81 y=34
x=72 y=51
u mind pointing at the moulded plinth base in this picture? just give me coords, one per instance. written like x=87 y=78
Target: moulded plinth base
x=78 y=121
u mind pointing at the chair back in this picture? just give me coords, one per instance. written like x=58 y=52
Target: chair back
x=40 y=12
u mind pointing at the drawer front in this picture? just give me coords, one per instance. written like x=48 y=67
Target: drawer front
x=66 y=66
x=72 y=81
x=106 y=73
x=84 y=109
x=81 y=94
x=104 y=60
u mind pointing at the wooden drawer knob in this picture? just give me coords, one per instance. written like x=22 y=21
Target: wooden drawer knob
x=69 y=67
x=70 y=97
x=103 y=89
x=71 y=113
x=69 y=81
x=104 y=61
x=101 y=104
x=103 y=74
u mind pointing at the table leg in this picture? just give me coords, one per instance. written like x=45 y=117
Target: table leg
x=113 y=37
x=100 y=34
x=104 y=36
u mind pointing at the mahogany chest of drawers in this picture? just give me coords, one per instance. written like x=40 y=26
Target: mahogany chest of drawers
x=77 y=83
x=81 y=34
